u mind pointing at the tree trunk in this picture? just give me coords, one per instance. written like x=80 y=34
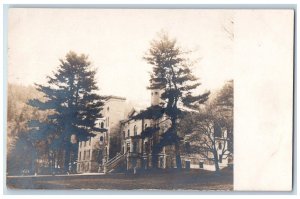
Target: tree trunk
x=74 y=157
x=178 y=158
x=142 y=152
x=142 y=147
x=67 y=157
x=154 y=158
x=216 y=161
x=177 y=143
x=155 y=151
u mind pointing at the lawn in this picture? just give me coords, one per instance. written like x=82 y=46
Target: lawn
x=165 y=180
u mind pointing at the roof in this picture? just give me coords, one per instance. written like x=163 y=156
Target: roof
x=108 y=97
x=129 y=116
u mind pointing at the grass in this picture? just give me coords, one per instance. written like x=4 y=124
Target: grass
x=162 y=180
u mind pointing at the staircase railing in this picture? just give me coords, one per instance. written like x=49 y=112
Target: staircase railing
x=114 y=162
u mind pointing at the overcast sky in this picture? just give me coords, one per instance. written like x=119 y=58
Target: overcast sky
x=116 y=40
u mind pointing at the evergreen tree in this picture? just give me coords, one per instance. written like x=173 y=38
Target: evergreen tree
x=71 y=94
x=172 y=74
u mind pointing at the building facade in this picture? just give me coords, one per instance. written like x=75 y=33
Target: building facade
x=96 y=151
x=139 y=149
x=135 y=150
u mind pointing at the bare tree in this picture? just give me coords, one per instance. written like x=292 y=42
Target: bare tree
x=212 y=128
x=208 y=138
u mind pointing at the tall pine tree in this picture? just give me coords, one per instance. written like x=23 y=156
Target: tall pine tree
x=71 y=94
x=173 y=76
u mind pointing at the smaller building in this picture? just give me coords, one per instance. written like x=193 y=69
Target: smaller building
x=205 y=159
x=139 y=149
x=136 y=149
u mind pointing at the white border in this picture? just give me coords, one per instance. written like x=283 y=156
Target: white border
x=166 y=2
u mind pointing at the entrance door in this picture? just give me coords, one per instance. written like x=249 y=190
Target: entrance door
x=187 y=164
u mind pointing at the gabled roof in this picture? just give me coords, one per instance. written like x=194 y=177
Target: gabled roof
x=108 y=97
x=133 y=112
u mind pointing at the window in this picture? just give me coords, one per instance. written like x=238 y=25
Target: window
x=135 y=130
x=90 y=140
x=134 y=149
x=84 y=154
x=102 y=125
x=88 y=154
x=220 y=158
x=217 y=131
x=79 y=156
x=127 y=147
x=128 y=133
x=146 y=147
x=161 y=162
x=156 y=93
x=101 y=139
x=187 y=147
x=145 y=126
x=201 y=165
x=220 y=146
x=108 y=109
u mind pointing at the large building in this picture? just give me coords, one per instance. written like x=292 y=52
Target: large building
x=138 y=149
x=133 y=150
x=96 y=151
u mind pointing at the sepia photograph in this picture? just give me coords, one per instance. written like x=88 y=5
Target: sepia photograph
x=133 y=99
